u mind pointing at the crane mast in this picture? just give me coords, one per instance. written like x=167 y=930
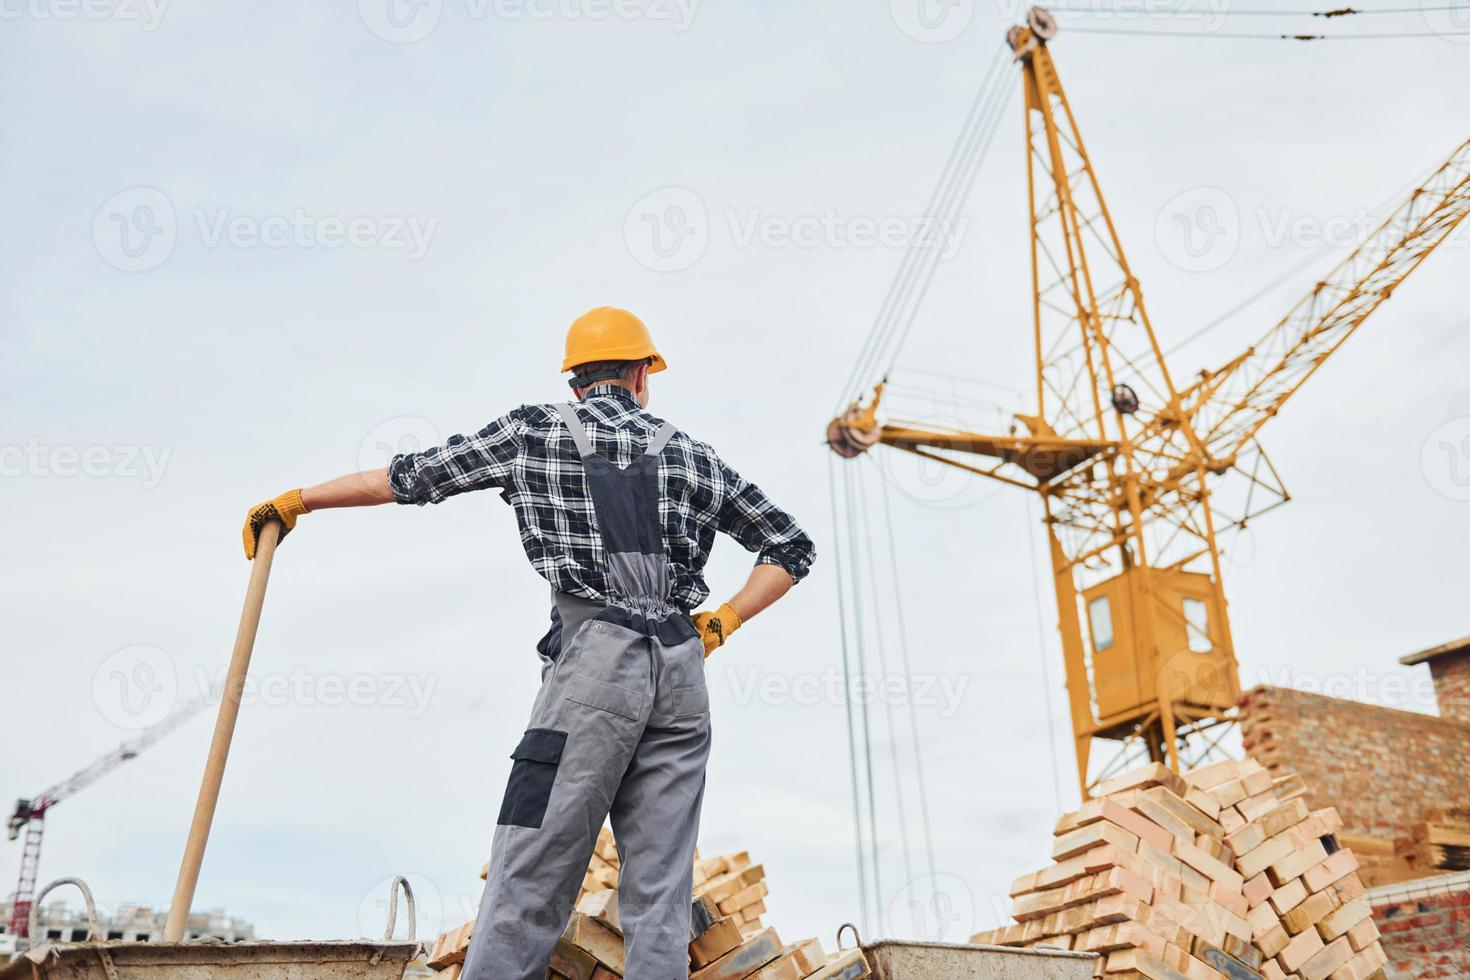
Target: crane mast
x=1129 y=466
x=30 y=815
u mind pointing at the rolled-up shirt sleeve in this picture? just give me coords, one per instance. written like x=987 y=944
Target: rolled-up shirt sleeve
x=463 y=463
x=749 y=516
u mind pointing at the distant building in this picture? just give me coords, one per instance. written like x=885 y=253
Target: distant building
x=129 y=923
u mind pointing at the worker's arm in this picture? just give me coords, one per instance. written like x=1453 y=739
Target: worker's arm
x=461 y=464
x=784 y=556
x=353 y=490
x=766 y=584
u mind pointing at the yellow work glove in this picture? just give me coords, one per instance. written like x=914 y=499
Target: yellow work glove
x=285 y=508
x=715 y=627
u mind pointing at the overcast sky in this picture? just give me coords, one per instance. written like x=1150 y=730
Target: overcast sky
x=253 y=246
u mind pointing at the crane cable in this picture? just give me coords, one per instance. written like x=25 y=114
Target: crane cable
x=903 y=645
x=847 y=702
x=916 y=271
x=1146 y=10
x=1234 y=36
x=882 y=676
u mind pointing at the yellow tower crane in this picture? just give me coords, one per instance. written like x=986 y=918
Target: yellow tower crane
x=1129 y=462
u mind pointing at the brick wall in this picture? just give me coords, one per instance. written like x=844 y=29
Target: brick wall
x=1452 y=685
x=1382 y=768
x=1425 y=928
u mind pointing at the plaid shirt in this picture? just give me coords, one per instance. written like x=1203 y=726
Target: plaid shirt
x=529 y=456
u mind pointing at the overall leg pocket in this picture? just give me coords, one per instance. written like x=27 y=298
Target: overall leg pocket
x=529 y=791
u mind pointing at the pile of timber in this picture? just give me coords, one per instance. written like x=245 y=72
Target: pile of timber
x=728 y=939
x=1223 y=873
x=602 y=870
x=1379 y=862
x=1441 y=843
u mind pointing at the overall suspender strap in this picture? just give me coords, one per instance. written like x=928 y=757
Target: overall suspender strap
x=568 y=414
x=661 y=438
x=575 y=427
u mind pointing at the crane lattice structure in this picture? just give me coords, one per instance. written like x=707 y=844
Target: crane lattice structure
x=1138 y=475
x=30 y=815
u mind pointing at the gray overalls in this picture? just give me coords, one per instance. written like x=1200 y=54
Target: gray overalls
x=620 y=726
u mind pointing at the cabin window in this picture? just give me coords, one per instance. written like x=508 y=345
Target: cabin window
x=1100 y=617
x=1197 y=625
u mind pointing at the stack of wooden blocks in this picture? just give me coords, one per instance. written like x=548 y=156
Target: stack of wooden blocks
x=1223 y=873
x=1379 y=862
x=1441 y=843
x=602 y=870
x=729 y=940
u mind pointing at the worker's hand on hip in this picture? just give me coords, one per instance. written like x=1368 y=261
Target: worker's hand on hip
x=715 y=627
x=285 y=508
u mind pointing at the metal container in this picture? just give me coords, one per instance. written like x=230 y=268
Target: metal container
x=892 y=959
x=361 y=960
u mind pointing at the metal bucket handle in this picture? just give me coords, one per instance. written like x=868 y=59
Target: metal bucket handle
x=94 y=930
x=393 y=909
x=857 y=939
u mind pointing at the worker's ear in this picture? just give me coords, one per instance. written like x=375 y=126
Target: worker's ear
x=640 y=385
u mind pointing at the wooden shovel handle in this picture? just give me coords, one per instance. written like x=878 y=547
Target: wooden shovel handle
x=224 y=731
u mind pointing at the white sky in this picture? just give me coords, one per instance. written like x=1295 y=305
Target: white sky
x=519 y=145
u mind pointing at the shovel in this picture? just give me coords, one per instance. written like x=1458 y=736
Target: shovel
x=224 y=732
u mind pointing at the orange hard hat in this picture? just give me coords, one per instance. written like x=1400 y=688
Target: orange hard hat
x=609 y=334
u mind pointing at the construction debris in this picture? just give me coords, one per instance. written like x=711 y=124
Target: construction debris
x=729 y=940
x=1223 y=873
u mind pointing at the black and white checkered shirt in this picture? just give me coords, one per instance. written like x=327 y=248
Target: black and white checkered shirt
x=529 y=456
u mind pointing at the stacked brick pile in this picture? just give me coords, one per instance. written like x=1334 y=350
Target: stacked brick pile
x=1224 y=873
x=730 y=942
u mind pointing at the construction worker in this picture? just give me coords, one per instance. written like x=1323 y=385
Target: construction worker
x=618 y=511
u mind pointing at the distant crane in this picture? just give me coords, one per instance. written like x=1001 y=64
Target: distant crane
x=1128 y=461
x=30 y=815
